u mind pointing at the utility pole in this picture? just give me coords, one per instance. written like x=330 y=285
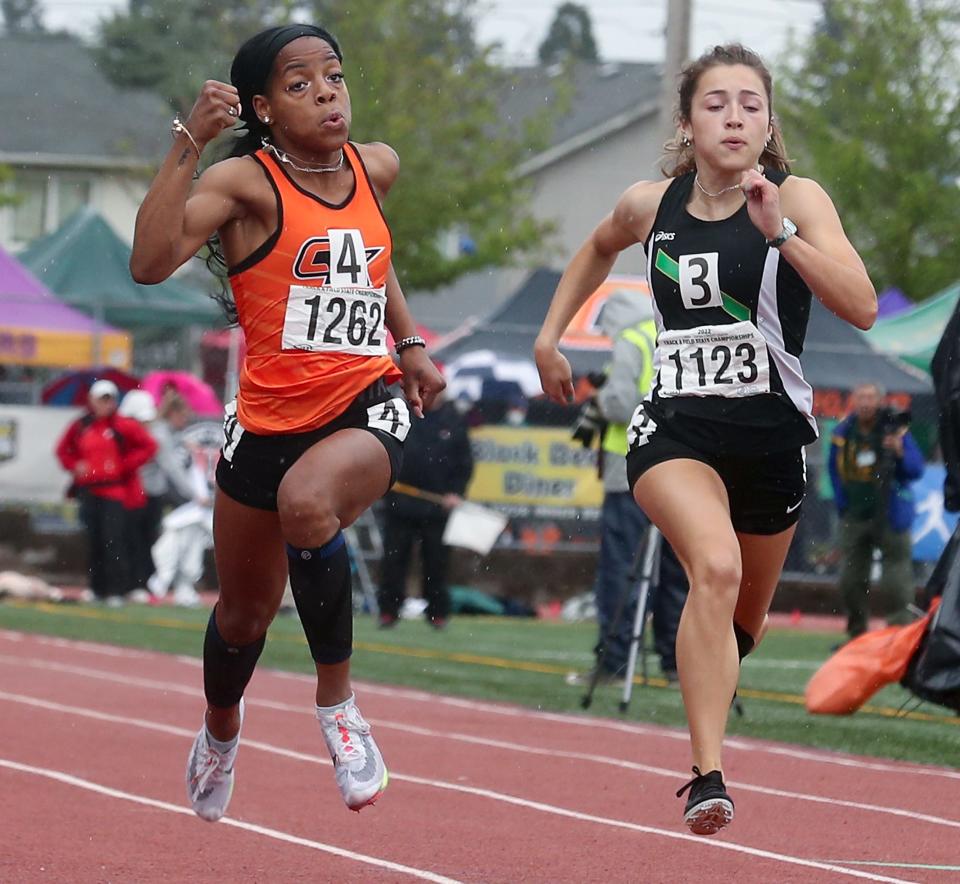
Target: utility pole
x=679 y=15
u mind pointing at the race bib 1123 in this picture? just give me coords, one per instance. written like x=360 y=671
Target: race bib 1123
x=342 y=319
x=715 y=360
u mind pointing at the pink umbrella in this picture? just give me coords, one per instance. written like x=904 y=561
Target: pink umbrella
x=198 y=394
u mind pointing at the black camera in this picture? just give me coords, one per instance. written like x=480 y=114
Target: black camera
x=893 y=420
x=590 y=423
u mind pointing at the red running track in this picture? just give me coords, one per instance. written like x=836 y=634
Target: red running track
x=93 y=742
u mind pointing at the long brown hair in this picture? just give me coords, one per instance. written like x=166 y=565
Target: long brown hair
x=679 y=157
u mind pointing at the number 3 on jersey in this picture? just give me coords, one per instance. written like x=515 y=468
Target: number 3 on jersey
x=700 y=281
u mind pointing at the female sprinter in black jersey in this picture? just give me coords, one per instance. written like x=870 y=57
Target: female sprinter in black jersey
x=735 y=246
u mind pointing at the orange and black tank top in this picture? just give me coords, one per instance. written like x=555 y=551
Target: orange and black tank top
x=312 y=304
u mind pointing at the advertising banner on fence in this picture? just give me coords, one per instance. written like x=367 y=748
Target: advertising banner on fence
x=535 y=472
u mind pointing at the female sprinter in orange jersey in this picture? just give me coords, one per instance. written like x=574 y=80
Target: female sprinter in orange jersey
x=316 y=433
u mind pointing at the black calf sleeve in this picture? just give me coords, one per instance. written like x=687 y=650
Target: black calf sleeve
x=227 y=669
x=745 y=642
x=320 y=580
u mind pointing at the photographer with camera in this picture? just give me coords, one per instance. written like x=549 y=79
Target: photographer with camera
x=873 y=460
x=627 y=319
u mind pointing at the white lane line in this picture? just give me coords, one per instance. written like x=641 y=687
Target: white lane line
x=466 y=790
x=74 y=644
x=889 y=865
x=508 y=711
x=819 y=757
x=277 y=835
x=751 y=746
x=635 y=766
x=253 y=702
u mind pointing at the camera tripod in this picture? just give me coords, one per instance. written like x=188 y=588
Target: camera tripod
x=644 y=573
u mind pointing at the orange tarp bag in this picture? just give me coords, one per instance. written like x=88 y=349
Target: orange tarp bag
x=863 y=666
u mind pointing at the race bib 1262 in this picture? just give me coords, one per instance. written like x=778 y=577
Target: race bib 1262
x=343 y=319
x=715 y=360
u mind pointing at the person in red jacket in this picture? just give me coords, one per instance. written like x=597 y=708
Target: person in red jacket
x=103 y=451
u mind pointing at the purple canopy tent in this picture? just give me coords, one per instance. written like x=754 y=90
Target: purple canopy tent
x=892 y=301
x=37 y=329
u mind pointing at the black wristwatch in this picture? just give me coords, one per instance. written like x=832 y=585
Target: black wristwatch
x=789 y=229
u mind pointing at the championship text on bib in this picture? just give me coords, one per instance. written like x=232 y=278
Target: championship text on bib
x=715 y=360
x=336 y=319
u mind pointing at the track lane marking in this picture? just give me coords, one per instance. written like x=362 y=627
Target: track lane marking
x=253 y=702
x=892 y=865
x=480 y=660
x=276 y=834
x=502 y=710
x=468 y=790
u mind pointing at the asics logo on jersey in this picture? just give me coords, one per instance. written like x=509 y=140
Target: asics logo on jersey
x=313 y=260
x=663 y=234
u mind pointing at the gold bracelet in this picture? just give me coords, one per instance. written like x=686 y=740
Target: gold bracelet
x=178 y=127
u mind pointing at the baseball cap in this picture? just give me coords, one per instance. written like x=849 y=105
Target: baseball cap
x=139 y=405
x=102 y=388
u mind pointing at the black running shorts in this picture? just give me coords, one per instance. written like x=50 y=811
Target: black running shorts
x=765 y=491
x=252 y=466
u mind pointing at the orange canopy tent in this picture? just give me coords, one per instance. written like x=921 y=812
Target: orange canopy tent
x=584 y=331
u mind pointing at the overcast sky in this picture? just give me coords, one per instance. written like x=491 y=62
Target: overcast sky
x=626 y=30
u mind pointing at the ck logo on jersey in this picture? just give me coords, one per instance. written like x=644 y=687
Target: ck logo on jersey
x=339 y=259
x=663 y=234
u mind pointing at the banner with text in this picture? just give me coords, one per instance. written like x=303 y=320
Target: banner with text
x=535 y=472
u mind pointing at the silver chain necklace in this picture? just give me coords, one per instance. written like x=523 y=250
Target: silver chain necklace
x=284 y=157
x=713 y=196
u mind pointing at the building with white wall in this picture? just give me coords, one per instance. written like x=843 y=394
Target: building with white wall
x=71 y=138
x=605 y=136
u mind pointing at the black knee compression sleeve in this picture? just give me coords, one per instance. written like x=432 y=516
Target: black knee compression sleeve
x=745 y=642
x=227 y=668
x=320 y=580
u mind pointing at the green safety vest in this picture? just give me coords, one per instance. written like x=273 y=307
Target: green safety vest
x=642 y=336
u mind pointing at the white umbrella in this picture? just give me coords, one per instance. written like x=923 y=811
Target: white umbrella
x=467 y=373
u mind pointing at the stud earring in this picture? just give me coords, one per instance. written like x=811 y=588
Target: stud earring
x=266 y=119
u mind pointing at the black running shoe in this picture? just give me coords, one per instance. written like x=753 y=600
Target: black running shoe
x=709 y=807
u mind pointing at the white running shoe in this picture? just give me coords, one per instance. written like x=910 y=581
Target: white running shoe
x=210 y=776
x=357 y=763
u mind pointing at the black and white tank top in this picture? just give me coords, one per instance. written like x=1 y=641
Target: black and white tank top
x=731 y=317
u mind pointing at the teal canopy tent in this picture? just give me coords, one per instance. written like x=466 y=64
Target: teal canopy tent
x=87 y=265
x=914 y=334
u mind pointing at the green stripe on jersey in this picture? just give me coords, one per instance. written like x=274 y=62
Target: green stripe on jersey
x=671 y=269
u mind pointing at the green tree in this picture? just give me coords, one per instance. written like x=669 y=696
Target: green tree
x=7 y=198
x=22 y=16
x=171 y=47
x=570 y=36
x=418 y=81
x=871 y=107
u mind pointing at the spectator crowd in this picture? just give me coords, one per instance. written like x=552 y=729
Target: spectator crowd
x=144 y=503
